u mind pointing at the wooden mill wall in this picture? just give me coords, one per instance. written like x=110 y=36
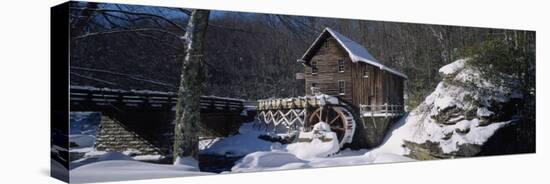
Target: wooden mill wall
x=327 y=76
x=377 y=88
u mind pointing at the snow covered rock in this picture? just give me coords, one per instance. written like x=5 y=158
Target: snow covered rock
x=320 y=142
x=460 y=115
x=453 y=67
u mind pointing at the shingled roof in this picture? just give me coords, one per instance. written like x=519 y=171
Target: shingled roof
x=356 y=52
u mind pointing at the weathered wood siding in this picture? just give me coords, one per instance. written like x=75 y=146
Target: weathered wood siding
x=327 y=76
x=378 y=88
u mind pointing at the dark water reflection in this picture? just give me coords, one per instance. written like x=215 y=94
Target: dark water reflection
x=216 y=163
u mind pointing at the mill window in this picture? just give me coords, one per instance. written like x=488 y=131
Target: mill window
x=341 y=87
x=341 y=66
x=314 y=68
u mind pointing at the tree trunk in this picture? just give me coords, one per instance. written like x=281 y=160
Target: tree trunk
x=192 y=77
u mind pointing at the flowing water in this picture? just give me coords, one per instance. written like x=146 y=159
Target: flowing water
x=216 y=163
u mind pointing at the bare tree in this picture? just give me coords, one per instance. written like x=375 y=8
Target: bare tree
x=192 y=78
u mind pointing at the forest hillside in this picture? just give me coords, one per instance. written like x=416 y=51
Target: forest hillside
x=253 y=56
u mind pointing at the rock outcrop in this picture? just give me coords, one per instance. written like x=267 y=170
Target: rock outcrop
x=461 y=116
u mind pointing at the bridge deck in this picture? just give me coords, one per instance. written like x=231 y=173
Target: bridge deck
x=91 y=98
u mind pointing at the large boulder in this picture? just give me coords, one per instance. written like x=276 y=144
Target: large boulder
x=462 y=115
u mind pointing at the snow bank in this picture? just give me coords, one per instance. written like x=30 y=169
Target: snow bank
x=379 y=158
x=239 y=145
x=393 y=143
x=100 y=166
x=119 y=170
x=268 y=160
x=98 y=156
x=281 y=160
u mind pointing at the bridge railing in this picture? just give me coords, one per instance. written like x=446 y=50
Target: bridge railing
x=288 y=103
x=91 y=96
x=381 y=110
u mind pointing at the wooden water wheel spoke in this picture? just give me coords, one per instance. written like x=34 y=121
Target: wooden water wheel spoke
x=315 y=115
x=327 y=114
x=333 y=120
x=338 y=129
x=337 y=118
x=320 y=114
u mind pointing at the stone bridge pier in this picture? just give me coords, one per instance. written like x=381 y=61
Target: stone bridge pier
x=143 y=131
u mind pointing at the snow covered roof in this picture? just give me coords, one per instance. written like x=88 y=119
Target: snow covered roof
x=356 y=52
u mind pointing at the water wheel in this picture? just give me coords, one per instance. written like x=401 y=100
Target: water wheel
x=339 y=118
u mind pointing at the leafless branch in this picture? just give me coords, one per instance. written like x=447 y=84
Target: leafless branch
x=132 y=13
x=129 y=30
x=234 y=29
x=92 y=78
x=134 y=77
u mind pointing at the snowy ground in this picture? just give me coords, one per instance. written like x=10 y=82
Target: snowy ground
x=90 y=165
x=101 y=166
x=119 y=169
x=320 y=154
x=257 y=155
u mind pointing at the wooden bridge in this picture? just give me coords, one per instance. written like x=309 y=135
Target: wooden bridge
x=142 y=120
x=85 y=98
